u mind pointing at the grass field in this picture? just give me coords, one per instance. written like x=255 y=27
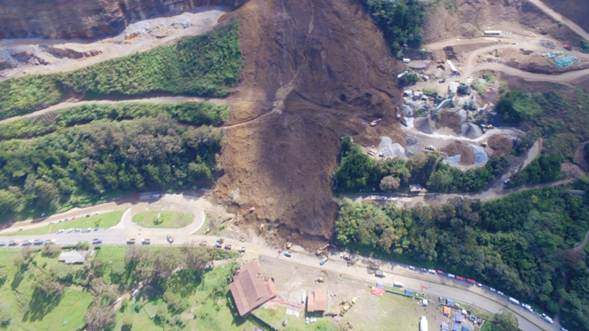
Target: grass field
x=101 y=221
x=163 y=219
x=209 y=307
x=207 y=66
x=67 y=314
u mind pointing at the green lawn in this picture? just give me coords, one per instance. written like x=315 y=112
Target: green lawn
x=163 y=219
x=67 y=314
x=101 y=221
x=209 y=307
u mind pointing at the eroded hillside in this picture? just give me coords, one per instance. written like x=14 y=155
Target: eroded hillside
x=314 y=71
x=88 y=18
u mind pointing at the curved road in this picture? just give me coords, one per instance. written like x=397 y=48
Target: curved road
x=436 y=285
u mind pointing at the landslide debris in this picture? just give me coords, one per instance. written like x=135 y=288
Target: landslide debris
x=314 y=71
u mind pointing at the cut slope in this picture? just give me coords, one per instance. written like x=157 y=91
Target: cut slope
x=321 y=69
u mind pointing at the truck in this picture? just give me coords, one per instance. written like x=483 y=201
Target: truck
x=514 y=300
x=423 y=324
x=398 y=284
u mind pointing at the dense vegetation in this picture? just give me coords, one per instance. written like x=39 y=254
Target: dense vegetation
x=516 y=106
x=400 y=21
x=357 y=172
x=544 y=169
x=562 y=119
x=76 y=165
x=186 y=113
x=522 y=244
x=206 y=66
x=40 y=293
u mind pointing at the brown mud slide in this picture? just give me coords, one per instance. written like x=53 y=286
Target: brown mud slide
x=314 y=71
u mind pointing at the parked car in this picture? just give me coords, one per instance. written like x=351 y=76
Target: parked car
x=12 y=243
x=379 y=273
x=451 y=276
x=146 y=241
x=2 y=244
x=241 y=249
x=38 y=242
x=287 y=254
x=323 y=261
x=411 y=268
x=25 y=243
x=431 y=271
x=96 y=241
x=460 y=278
x=501 y=293
x=492 y=289
x=169 y=239
x=131 y=241
x=227 y=247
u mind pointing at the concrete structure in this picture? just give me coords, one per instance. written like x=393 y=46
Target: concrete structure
x=251 y=288
x=72 y=257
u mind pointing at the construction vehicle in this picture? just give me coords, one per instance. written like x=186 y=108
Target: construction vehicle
x=320 y=251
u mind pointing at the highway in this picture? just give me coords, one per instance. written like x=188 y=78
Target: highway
x=432 y=284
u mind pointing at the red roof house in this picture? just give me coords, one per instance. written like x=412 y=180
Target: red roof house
x=251 y=288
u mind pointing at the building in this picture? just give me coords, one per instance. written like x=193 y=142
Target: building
x=72 y=257
x=493 y=33
x=251 y=288
x=317 y=301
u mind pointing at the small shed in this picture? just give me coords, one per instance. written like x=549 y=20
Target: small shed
x=72 y=257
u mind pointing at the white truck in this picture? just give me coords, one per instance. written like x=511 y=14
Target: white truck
x=423 y=324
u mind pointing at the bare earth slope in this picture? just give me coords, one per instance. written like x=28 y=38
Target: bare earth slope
x=469 y=18
x=320 y=69
x=61 y=19
x=576 y=10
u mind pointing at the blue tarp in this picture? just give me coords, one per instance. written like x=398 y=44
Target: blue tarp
x=480 y=155
x=408 y=293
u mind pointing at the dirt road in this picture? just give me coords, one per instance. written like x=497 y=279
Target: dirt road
x=77 y=103
x=560 y=18
x=137 y=37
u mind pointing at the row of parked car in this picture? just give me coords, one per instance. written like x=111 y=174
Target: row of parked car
x=24 y=243
x=490 y=289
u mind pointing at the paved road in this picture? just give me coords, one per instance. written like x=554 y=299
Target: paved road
x=436 y=285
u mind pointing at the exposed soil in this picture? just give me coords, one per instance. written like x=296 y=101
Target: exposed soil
x=466 y=154
x=469 y=18
x=576 y=10
x=500 y=145
x=323 y=70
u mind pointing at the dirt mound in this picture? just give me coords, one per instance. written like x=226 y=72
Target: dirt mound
x=314 y=70
x=466 y=153
x=500 y=145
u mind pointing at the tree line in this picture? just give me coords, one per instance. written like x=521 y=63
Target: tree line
x=78 y=165
x=522 y=244
x=358 y=172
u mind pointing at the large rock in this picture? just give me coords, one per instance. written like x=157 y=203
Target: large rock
x=86 y=18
